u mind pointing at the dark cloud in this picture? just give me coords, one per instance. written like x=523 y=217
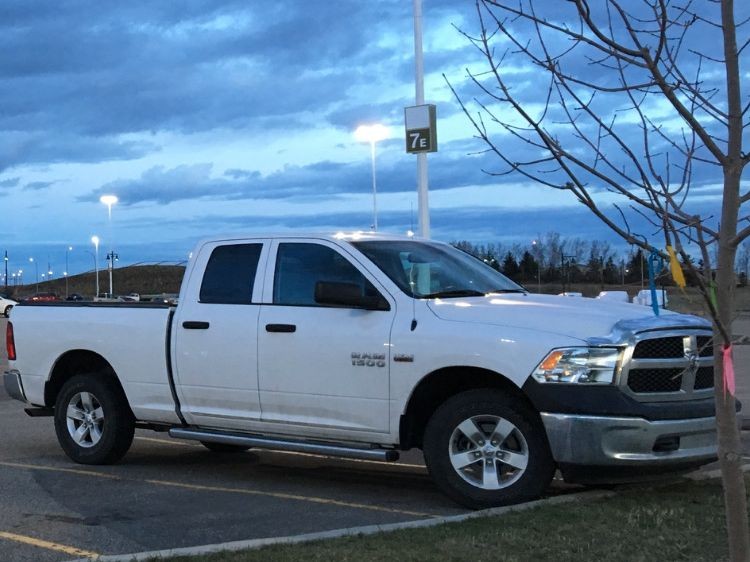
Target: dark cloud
x=137 y=68
x=473 y=223
x=9 y=182
x=316 y=181
x=17 y=148
x=38 y=185
x=87 y=75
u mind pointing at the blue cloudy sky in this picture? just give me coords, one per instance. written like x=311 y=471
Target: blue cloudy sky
x=210 y=116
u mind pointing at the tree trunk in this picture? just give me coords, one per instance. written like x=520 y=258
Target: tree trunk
x=730 y=446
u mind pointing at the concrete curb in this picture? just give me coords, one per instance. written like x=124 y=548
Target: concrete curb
x=352 y=531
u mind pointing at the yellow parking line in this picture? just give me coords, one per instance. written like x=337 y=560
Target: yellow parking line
x=49 y=545
x=198 y=487
x=61 y=469
x=282 y=495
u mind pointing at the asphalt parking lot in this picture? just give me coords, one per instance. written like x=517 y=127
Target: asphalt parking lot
x=170 y=494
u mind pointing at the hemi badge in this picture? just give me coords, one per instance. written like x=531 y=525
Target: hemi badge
x=401 y=358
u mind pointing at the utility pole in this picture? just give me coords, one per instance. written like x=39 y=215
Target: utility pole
x=6 y=271
x=111 y=257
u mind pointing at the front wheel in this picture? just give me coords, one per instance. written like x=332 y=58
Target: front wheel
x=93 y=422
x=484 y=449
x=6 y=312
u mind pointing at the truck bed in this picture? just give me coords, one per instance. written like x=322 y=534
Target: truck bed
x=132 y=337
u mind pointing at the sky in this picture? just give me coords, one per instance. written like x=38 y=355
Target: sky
x=217 y=116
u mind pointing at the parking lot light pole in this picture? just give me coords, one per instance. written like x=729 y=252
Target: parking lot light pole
x=36 y=269
x=95 y=242
x=6 y=271
x=110 y=200
x=65 y=273
x=372 y=134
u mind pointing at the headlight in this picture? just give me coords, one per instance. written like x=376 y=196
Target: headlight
x=589 y=365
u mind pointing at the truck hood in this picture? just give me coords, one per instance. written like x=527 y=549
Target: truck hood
x=591 y=320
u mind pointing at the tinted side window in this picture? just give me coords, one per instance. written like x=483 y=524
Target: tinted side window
x=230 y=274
x=300 y=266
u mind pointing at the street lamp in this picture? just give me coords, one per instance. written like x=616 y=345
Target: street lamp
x=36 y=268
x=110 y=200
x=95 y=242
x=65 y=273
x=6 y=271
x=372 y=134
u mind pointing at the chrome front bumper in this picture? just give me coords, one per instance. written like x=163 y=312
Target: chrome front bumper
x=14 y=386
x=629 y=442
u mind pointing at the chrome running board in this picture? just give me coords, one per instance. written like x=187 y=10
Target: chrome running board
x=332 y=449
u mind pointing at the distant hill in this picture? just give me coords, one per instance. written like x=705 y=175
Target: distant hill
x=142 y=279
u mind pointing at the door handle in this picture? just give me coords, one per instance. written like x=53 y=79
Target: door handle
x=281 y=328
x=194 y=325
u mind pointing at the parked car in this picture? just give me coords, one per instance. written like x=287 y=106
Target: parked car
x=42 y=297
x=6 y=304
x=364 y=345
x=644 y=297
x=614 y=296
x=75 y=297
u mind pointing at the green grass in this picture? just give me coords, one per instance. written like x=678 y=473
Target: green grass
x=679 y=521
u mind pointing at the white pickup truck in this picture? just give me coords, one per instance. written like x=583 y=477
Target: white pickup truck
x=364 y=345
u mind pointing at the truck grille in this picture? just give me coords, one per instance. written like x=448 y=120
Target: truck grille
x=655 y=380
x=704 y=378
x=660 y=348
x=674 y=366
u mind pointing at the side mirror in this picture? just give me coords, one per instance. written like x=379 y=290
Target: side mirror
x=348 y=295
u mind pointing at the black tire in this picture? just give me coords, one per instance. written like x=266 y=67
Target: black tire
x=6 y=312
x=114 y=425
x=525 y=445
x=224 y=447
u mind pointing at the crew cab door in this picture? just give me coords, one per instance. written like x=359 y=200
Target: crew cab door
x=215 y=335
x=319 y=365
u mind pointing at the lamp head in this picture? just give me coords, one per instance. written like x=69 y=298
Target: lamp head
x=371 y=133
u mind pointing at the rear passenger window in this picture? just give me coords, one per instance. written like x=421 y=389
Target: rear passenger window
x=230 y=274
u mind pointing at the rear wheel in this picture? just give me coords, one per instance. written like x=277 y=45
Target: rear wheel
x=484 y=449
x=224 y=447
x=93 y=422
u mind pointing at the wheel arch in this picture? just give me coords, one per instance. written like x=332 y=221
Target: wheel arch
x=77 y=362
x=437 y=387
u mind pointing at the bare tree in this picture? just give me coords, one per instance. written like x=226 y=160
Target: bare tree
x=635 y=108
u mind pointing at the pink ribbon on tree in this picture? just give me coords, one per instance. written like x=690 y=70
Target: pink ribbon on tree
x=728 y=364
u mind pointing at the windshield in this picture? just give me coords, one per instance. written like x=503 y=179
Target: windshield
x=425 y=270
